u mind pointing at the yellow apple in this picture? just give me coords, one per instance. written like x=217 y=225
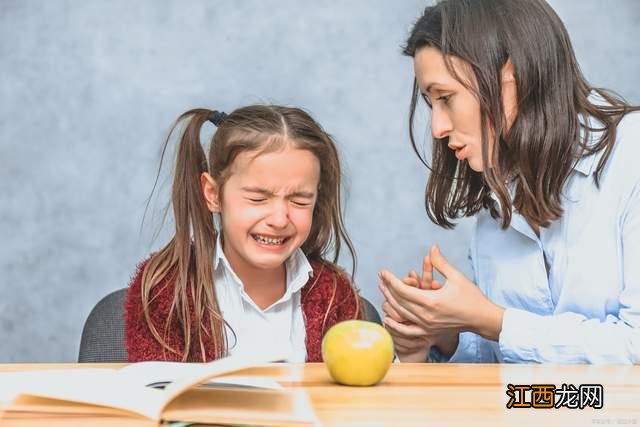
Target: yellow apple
x=357 y=352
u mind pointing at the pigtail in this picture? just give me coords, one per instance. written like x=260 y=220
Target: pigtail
x=187 y=258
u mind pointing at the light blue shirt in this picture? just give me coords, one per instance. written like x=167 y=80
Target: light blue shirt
x=571 y=295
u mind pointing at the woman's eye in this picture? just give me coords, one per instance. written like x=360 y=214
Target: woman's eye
x=444 y=99
x=426 y=99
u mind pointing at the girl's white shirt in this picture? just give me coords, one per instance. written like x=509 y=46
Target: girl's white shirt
x=278 y=329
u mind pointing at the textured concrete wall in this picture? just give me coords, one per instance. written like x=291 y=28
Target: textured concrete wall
x=88 y=91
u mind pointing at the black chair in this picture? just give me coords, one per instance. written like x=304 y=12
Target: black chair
x=103 y=333
x=370 y=312
x=102 y=338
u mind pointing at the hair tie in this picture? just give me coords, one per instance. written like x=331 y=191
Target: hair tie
x=216 y=117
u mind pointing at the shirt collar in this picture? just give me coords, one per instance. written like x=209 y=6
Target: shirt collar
x=585 y=164
x=297 y=266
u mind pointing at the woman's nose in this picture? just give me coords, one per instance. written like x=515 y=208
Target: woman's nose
x=440 y=123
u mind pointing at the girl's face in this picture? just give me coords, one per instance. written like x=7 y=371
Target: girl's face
x=455 y=109
x=267 y=206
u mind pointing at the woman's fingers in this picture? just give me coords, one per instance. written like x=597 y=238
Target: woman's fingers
x=403 y=345
x=392 y=289
x=427 y=272
x=441 y=264
x=456 y=307
x=404 y=330
x=390 y=312
x=406 y=295
x=400 y=306
x=407 y=344
x=412 y=281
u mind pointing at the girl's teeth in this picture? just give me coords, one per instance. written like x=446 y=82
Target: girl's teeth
x=268 y=240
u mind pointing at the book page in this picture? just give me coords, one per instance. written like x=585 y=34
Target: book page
x=102 y=387
x=242 y=407
x=160 y=374
x=123 y=389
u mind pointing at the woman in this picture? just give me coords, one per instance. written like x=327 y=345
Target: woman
x=547 y=165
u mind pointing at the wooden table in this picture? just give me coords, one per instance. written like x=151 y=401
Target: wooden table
x=434 y=394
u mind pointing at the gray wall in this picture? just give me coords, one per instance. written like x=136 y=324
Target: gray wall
x=88 y=91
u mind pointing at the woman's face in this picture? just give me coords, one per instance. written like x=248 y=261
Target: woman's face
x=455 y=109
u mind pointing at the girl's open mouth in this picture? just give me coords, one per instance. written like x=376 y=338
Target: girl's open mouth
x=267 y=240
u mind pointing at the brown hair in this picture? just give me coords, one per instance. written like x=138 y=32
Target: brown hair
x=537 y=153
x=187 y=258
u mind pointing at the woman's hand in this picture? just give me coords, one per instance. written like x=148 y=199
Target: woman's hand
x=425 y=281
x=411 y=342
x=458 y=306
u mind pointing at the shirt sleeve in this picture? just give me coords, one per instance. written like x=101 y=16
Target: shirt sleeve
x=466 y=352
x=572 y=337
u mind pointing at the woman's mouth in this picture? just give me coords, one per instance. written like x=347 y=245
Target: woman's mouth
x=461 y=152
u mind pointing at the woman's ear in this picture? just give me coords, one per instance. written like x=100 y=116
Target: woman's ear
x=210 y=192
x=507 y=72
x=509 y=92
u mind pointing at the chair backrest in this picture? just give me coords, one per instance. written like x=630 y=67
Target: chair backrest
x=370 y=313
x=103 y=333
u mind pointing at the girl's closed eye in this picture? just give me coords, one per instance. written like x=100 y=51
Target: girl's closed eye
x=257 y=199
x=301 y=203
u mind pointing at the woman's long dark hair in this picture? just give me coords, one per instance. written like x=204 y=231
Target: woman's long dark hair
x=535 y=156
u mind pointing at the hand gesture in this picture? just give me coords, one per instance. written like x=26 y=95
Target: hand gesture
x=411 y=342
x=457 y=306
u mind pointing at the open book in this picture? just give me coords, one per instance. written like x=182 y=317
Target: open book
x=158 y=391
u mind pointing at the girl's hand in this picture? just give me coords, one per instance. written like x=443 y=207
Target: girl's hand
x=458 y=306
